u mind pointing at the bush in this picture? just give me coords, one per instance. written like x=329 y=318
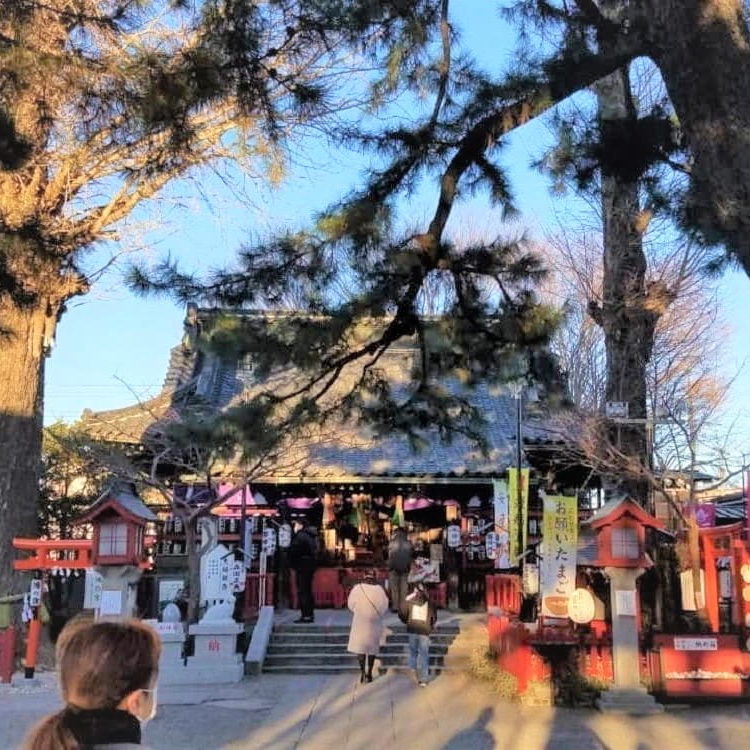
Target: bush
x=485 y=669
x=577 y=690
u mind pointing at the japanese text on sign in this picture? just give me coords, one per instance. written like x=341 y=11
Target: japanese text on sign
x=502 y=524
x=696 y=644
x=559 y=549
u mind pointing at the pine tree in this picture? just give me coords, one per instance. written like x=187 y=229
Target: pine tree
x=102 y=104
x=459 y=139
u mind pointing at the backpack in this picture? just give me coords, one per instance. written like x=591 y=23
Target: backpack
x=419 y=614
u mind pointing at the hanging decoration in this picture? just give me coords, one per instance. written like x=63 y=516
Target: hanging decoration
x=559 y=553
x=515 y=520
x=398 y=514
x=453 y=536
x=491 y=545
x=500 y=506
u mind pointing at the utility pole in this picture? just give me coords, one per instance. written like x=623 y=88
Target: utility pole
x=518 y=393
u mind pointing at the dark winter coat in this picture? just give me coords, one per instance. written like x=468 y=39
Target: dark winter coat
x=303 y=551
x=400 y=554
x=418 y=613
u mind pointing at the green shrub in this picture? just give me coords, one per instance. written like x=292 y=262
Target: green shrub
x=485 y=669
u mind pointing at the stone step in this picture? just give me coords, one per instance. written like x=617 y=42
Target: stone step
x=311 y=669
x=312 y=661
x=313 y=637
x=325 y=648
x=345 y=670
x=339 y=630
x=317 y=648
x=311 y=628
x=395 y=628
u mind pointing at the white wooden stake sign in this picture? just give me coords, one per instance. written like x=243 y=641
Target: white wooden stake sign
x=238 y=576
x=269 y=540
x=35 y=592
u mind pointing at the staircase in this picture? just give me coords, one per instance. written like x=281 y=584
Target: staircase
x=322 y=648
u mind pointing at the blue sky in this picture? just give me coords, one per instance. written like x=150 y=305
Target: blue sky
x=112 y=348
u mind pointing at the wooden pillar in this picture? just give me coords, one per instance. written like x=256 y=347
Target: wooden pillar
x=711 y=593
x=32 y=645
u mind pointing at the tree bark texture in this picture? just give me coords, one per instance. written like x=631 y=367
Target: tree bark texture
x=194 y=568
x=625 y=314
x=23 y=343
x=702 y=48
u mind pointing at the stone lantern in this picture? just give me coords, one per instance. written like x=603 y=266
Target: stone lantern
x=620 y=527
x=119 y=519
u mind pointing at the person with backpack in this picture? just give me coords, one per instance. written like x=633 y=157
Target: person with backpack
x=303 y=558
x=400 y=554
x=368 y=603
x=419 y=614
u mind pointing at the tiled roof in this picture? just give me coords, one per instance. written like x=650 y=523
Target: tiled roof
x=133 y=505
x=124 y=497
x=342 y=449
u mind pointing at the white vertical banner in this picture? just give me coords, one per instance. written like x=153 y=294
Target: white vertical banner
x=500 y=505
x=559 y=553
x=248 y=541
x=92 y=593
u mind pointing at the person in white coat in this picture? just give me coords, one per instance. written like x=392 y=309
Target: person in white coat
x=369 y=604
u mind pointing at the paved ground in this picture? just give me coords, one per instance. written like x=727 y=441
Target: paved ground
x=317 y=712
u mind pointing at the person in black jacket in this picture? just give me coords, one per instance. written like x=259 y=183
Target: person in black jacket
x=400 y=554
x=303 y=558
x=420 y=615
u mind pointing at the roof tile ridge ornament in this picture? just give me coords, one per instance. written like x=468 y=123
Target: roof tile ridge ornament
x=192 y=329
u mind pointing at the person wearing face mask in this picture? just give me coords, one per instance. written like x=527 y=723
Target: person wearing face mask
x=108 y=672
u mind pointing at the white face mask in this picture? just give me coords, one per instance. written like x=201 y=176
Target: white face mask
x=145 y=719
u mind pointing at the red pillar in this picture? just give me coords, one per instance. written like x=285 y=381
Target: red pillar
x=32 y=644
x=711 y=593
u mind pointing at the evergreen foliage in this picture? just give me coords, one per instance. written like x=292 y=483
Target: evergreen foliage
x=352 y=267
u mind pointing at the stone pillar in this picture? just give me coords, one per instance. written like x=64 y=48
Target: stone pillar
x=171 y=662
x=215 y=655
x=123 y=579
x=627 y=695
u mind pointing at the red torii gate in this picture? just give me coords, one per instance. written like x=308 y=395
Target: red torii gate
x=71 y=554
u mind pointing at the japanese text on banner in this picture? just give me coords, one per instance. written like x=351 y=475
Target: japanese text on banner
x=502 y=528
x=559 y=550
x=513 y=504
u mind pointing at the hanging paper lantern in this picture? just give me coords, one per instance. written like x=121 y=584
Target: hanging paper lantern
x=453 y=536
x=491 y=542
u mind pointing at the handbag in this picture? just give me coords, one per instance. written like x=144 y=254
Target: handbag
x=377 y=611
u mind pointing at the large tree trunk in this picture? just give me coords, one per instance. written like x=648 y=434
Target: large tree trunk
x=624 y=315
x=702 y=48
x=24 y=333
x=194 y=568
